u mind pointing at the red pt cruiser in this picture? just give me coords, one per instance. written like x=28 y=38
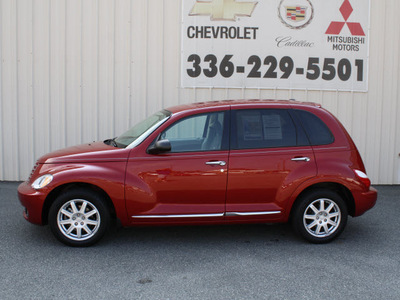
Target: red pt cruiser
x=223 y=162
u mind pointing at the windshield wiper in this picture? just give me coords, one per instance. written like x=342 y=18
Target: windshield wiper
x=111 y=142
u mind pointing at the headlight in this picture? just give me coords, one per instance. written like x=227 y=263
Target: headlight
x=42 y=181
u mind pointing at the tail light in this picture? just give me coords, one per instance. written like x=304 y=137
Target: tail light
x=361 y=176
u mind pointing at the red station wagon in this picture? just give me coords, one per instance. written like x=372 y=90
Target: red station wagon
x=223 y=162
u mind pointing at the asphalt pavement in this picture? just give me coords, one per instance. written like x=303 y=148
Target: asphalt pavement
x=207 y=262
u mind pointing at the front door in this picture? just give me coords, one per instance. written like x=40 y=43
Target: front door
x=187 y=184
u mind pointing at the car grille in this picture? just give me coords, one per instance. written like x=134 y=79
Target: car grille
x=33 y=170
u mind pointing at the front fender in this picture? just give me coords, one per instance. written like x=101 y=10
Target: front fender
x=107 y=176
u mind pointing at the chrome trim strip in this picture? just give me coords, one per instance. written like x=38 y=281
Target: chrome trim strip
x=178 y=216
x=255 y=213
x=228 y=214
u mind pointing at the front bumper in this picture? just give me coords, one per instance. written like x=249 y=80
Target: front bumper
x=32 y=201
x=365 y=201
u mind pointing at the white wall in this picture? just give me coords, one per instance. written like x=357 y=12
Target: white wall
x=74 y=71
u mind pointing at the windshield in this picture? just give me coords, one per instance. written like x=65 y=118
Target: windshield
x=136 y=131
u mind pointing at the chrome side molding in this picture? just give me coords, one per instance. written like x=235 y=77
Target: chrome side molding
x=179 y=216
x=227 y=214
x=255 y=213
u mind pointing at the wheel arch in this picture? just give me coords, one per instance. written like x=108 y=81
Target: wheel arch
x=75 y=185
x=338 y=188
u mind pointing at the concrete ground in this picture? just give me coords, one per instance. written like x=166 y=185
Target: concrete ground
x=212 y=262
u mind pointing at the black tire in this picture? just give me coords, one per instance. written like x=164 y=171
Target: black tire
x=79 y=218
x=319 y=216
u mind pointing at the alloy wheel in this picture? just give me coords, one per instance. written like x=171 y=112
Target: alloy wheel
x=322 y=217
x=78 y=219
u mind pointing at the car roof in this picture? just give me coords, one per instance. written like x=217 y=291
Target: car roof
x=241 y=103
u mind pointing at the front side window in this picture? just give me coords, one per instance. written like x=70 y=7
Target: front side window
x=264 y=128
x=202 y=132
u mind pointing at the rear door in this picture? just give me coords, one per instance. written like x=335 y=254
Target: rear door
x=270 y=156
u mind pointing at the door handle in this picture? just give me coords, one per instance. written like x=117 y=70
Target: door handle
x=216 y=163
x=305 y=158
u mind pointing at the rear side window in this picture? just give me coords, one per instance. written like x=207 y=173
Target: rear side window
x=318 y=133
x=264 y=128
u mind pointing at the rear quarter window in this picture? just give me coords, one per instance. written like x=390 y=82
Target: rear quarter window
x=316 y=130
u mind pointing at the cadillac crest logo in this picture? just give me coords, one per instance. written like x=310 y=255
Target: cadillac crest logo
x=296 y=14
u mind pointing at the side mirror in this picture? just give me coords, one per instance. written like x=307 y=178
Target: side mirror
x=159 y=147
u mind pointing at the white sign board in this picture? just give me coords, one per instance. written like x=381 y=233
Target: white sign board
x=287 y=44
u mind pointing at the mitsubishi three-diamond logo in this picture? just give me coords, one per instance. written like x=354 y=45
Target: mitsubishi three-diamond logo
x=346 y=10
x=223 y=9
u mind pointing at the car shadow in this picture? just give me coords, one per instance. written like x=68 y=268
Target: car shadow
x=201 y=235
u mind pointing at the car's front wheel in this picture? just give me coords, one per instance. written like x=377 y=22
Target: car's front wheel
x=320 y=216
x=79 y=218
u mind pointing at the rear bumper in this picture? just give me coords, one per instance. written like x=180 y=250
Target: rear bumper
x=32 y=201
x=365 y=201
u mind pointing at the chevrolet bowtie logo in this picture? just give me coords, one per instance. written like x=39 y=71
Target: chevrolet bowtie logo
x=223 y=9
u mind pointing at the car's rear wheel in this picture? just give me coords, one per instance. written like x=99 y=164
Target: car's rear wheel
x=79 y=218
x=320 y=216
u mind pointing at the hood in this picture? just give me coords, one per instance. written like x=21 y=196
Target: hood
x=93 y=152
